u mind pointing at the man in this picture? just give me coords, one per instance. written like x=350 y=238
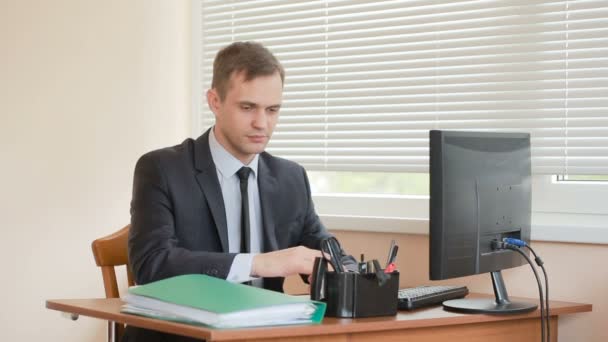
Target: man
x=220 y=205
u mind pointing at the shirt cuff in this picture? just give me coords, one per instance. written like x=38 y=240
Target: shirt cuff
x=240 y=271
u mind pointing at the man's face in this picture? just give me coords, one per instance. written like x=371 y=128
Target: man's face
x=245 y=120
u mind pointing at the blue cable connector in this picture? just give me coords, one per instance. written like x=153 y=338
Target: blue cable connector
x=516 y=242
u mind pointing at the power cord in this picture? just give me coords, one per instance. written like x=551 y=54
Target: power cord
x=514 y=247
x=540 y=263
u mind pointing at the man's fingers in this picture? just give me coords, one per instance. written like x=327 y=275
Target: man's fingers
x=286 y=262
x=307 y=259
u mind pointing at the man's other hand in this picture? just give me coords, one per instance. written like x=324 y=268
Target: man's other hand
x=285 y=262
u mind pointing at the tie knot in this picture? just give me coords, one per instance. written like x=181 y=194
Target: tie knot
x=243 y=173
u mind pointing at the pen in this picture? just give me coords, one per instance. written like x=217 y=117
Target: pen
x=362 y=265
x=390 y=268
x=390 y=252
x=369 y=266
x=380 y=275
x=333 y=249
x=393 y=256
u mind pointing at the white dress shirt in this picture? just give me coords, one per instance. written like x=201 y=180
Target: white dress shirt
x=227 y=166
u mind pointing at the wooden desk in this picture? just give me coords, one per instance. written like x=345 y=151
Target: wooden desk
x=428 y=324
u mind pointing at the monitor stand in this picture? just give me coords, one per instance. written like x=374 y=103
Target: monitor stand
x=500 y=305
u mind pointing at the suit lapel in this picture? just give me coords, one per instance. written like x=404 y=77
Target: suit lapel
x=268 y=189
x=210 y=185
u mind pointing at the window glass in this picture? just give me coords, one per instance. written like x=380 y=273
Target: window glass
x=394 y=183
x=578 y=178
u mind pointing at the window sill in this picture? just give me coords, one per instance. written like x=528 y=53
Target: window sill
x=541 y=231
x=561 y=212
x=376 y=224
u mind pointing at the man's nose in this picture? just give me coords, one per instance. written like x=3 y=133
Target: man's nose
x=259 y=119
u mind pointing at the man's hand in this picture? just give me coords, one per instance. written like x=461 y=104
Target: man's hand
x=285 y=262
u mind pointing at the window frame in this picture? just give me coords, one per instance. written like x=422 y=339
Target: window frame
x=561 y=211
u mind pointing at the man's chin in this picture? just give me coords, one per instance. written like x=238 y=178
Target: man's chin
x=254 y=148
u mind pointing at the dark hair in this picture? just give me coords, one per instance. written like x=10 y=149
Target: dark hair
x=251 y=57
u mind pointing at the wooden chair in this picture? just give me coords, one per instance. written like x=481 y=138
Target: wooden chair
x=111 y=251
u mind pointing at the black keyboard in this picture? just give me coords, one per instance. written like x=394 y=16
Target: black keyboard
x=417 y=297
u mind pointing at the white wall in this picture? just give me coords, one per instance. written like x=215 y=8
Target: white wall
x=86 y=87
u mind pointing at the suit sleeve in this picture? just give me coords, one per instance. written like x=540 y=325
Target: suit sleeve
x=154 y=251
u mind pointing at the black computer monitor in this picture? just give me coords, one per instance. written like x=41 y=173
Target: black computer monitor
x=480 y=192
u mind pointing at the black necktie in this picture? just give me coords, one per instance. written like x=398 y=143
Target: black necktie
x=243 y=174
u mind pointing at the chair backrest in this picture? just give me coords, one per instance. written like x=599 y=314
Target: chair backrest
x=111 y=251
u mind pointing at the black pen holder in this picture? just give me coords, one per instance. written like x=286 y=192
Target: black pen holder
x=354 y=295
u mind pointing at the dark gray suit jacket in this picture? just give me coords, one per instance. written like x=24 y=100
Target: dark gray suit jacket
x=178 y=220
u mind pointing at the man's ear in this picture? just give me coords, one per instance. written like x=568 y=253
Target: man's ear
x=213 y=100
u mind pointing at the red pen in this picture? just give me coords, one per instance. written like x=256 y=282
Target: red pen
x=390 y=268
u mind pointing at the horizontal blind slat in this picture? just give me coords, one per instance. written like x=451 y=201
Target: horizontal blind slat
x=366 y=80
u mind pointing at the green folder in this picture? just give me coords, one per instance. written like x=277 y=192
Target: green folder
x=200 y=299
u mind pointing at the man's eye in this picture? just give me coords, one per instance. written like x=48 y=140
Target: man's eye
x=246 y=107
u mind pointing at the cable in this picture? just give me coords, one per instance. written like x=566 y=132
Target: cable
x=540 y=263
x=515 y=247
x=540 y=289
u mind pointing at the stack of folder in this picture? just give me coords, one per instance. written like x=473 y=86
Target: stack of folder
x=200 y=299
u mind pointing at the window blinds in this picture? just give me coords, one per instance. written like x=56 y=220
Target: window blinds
x=367 y=80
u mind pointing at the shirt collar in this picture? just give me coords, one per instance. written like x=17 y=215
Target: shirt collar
x=225 y=162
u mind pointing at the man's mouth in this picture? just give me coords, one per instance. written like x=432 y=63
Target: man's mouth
x=257 y=138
